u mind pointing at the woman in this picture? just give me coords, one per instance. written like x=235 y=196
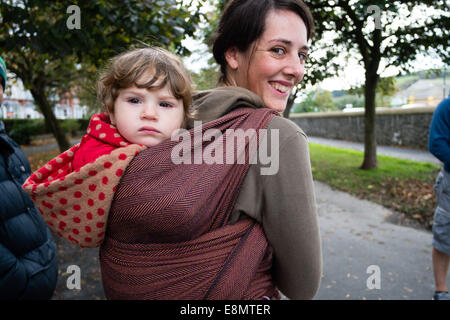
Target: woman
x=226 y=232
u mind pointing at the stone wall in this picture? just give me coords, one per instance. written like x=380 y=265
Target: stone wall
x=394 y=126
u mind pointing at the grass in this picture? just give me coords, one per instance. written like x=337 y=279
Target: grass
x=38 y=160
x=402 y=185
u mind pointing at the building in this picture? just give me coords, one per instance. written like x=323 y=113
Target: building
x=18 y=103
x=422 y=93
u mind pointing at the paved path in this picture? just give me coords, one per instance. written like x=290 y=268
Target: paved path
x=356 y=235
x=404 y=153
x=46 y=147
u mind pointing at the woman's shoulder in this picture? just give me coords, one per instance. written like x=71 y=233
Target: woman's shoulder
x=212 y=104
x=287 y=128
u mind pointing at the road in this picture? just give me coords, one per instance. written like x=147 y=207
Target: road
x=46 y=147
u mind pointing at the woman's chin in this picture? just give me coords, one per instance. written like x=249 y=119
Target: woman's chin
x=276 y=106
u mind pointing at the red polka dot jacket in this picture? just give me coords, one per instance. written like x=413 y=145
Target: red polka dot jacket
x=74 y=191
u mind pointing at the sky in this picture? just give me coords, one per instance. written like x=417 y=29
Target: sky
x=353 y=72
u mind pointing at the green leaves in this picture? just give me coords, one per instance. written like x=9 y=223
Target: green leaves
x=48 y=56
x=106 y=27
x=398 y=42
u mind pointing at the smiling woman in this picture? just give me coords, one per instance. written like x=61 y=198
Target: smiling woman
x=266 y=56
x=274 y=64
x=261 y=47
x=259 y=232
x=198 y=230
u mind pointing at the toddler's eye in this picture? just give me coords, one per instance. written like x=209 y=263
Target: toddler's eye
x=134 y=100
x=165 y=104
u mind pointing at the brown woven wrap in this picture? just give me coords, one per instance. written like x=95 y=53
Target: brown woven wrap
x=168 y=235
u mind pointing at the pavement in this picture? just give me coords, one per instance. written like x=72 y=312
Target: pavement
x=30 y=150
x=359 y=242
x=366 y=255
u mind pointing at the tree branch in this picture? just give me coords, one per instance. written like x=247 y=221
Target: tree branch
x=364 y=46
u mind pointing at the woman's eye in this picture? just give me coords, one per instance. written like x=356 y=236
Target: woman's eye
x=303 y=57
x=165 y=104
x=134 y=100
x=278 y=50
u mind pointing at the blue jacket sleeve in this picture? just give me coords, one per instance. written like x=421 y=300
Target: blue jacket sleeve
x=439 y=140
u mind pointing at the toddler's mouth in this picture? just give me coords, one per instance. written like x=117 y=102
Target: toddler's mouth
x=149 y=129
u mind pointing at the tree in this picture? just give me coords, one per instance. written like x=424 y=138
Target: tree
x=324 y=100
x=207 y=77
x=386 y=88
x=395 y=37
x=307 y=105
x=316 y=100
x=48 y=49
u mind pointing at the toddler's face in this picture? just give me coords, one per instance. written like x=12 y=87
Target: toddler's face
x=146 y=116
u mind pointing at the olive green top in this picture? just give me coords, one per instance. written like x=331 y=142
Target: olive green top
x=284 y=201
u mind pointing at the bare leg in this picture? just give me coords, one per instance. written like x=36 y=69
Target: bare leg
x=440 y=269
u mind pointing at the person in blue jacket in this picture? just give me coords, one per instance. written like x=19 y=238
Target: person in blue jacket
x=439 y=146
x=28 y=264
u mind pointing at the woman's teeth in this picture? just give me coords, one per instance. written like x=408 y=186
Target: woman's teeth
x=280 y=87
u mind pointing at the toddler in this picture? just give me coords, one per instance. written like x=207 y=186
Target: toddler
x=146 y=94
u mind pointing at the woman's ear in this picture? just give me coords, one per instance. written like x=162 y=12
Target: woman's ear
x=232 y=57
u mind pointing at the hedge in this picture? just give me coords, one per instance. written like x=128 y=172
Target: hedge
x=23 y=130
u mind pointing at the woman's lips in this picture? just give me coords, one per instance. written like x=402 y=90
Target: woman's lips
x=281 y=87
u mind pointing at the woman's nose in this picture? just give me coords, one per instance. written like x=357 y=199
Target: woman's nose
x=295 y=68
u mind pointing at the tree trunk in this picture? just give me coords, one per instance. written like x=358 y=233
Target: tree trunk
x=290 y=103
x=51 y=122
x=370 y=141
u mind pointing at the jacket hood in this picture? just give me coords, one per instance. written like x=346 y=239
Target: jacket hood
x=211 y=104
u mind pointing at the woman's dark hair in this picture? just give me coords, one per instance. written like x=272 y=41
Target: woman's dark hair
x=243 y=22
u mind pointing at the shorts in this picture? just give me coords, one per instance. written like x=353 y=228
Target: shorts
x=441 y=224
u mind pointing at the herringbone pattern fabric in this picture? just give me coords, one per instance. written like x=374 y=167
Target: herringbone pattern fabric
x=168 y=235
